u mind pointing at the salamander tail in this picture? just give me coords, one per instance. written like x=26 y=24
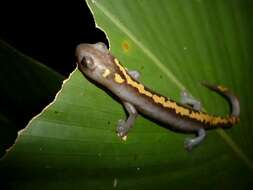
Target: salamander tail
x=232 y=99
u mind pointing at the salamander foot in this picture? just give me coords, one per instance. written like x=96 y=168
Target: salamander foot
x=121 y=128
x=124 y=126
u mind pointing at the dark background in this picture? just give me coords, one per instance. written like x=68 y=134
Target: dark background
x=48 y=30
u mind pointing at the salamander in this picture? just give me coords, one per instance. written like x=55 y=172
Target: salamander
x=97 y=64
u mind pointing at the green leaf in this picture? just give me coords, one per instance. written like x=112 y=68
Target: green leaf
x=174 y=44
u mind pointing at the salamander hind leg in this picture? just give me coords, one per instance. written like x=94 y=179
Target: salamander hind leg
x=125 y=125
x=190 y=143
x=186 y=99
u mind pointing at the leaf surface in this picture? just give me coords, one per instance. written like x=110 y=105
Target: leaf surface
x=175 y=45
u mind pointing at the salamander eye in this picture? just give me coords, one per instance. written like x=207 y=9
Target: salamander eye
x=88 y=63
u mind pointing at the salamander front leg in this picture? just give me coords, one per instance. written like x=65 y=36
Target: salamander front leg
x=124 y=126
x=135 y=74
x=188 y=100
x=190 y=143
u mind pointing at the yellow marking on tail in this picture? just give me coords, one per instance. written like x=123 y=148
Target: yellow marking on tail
x=222 y=88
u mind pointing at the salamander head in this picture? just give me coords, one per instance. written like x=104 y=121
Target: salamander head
x=94 y=61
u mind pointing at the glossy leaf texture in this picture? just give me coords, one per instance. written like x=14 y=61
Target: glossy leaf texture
x=175 y=45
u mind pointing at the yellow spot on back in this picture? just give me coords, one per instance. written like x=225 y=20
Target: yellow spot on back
x=117 y=62
x=158 y=99
x=106 y=73
x=118 y=78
